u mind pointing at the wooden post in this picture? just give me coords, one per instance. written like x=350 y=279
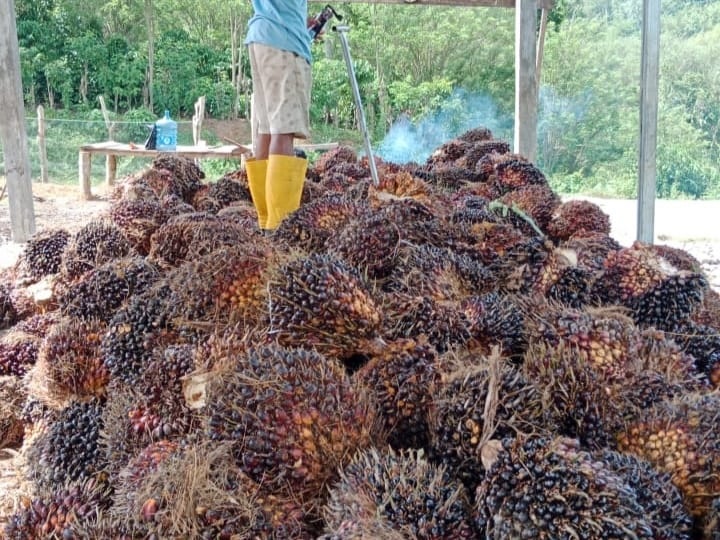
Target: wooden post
x=13 y=135
x=84 y=162
x=649 y=75
x=526 y=94
x=42 y=149
x=541 y=45
x=197 y=120
x=110 y=126
x=110 y=169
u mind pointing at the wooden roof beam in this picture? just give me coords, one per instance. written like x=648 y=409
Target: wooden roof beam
x=541 y=4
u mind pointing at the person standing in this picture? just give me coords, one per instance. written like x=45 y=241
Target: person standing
x=278 y=43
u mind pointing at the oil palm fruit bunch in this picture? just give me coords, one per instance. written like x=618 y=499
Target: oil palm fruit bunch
x=98 y=242
x=679 y=437
x=591 y=250
x=335 y=156
x=471 y=209
x=449 y=152
x=703 y=344
x=203 y=202
x=537 y=201
x=175 y=206
x=43 y=253
x=18 y=353
x=711 y=525
x=186 y=176
x=479 y=150
x=320 y=301
x=350 y=169
x=12 y=425
x=99 y=293
x=70 y=364
x=478 y=398
x=547 y=488
x=8 y=313
x=520 y=263
x=69 y=449
x=577 y=218
x=138 y=220
x=311 y=225
x=447 y=176
x=398 y=377
x=404 y=490
x=476 y=135
x=401 y=184
x=678 y=258
x=363 y=528
x=442 y=324
x=656 y=293
x=662 y=502
x=38 y=324
x=709 y=312
x=293 y=417
x=64 y=513
x=227 y=191
x=511 y=174
x=562 y=280
x=495 y=320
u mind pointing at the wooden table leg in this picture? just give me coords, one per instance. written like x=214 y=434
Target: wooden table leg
x=110 y=169
x=84 y=174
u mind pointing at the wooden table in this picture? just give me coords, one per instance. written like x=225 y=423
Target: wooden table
x=112 y=150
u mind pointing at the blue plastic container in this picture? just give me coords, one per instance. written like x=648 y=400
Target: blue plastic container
x=166 y=134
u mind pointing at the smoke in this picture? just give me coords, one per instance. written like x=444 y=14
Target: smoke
x=407 y=141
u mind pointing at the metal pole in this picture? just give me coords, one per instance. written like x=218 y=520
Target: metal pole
x=342 y=30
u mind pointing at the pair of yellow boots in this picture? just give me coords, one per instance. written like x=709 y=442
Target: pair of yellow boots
x=276 y=186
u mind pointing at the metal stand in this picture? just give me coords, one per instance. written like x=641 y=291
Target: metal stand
x=342 y=30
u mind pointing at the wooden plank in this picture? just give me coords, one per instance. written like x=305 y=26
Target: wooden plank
x=42 y=148
x=649 y=75
x=13 y=134
x=458 y=3
x=526 y=90
x=84 y=162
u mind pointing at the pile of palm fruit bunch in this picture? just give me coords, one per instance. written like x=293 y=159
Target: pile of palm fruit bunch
x=454 y=352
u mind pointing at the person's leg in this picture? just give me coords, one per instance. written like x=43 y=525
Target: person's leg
x=256 y=167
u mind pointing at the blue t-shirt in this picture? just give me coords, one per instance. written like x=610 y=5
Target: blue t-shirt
x=281 y=24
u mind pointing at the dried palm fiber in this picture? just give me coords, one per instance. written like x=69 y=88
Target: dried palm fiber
x=18 y=353
x=656 y=293
x=63 y=513
x=335 y=156
x=227 y=284
x=187 y=239
x=38 y=324
x=398 y=377
x=548 y=488
x=442 y=324
x=363 y=528
x=199 y=492
x=70 y=366
x=311 y=225
x=399 y=185
x=321 y=302
x=68 y=450
x=138 y=220
x=477 y=399
x=42 y=253
x=494 y=321
x=294 y=419
x=537 y=201
x=711 y=525
x=591 y=250
x=405 y=491
x=661 y=500
x=227 y=191
x=186 y=175
x=12 y=396
x=562 y=280
x=679 y=437
x=708 y=314
x=577 y=218
x=703 y=344
x=141 y=326
x=605 y=337
x=99 y=293
x=449 y=152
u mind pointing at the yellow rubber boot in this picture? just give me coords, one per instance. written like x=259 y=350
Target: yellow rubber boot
x=283 y=187
x=257 y=172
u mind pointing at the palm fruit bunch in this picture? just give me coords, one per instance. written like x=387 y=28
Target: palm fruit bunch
x=476 y=135
x=363 y=528
x=335 y=156
x=711 y=525
x=18 y=353
x=12 y=426
x=662 y=502
x=709 y=312
x=197 y=491
x=399 y=376
x=406 y=491
x=203 y=202
x=70 y=364
x=175 y=206
x=401 y=184
x=656 y=293
x=537 y=201
x=136 y=330
x=65 y=513
x=442 y=324
x=591 y=250
x=186 y=176
x=449 y=152
x=227 y=191
x=8 y=313
x=577 y=218
x=99 y=293
x=512 y=174
x=293 y=416
x=520 y=263
x=678 y=258
x=69 y=449
x=547 y=488
x=310 y=226
x=38 y=324
x=369 y=244
x=494 y=320
x=479 y=150
x=562 y=280
x=703 y=344
x=477 y=399
x=321 y=302
x=96 y=243
x=134 y=188
x=42 y=254
x=679 y=437
x=229 y=283
x=444 y=176
x=351 y=169
x=138 y=220
x=337 y=183
x=471 y=209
